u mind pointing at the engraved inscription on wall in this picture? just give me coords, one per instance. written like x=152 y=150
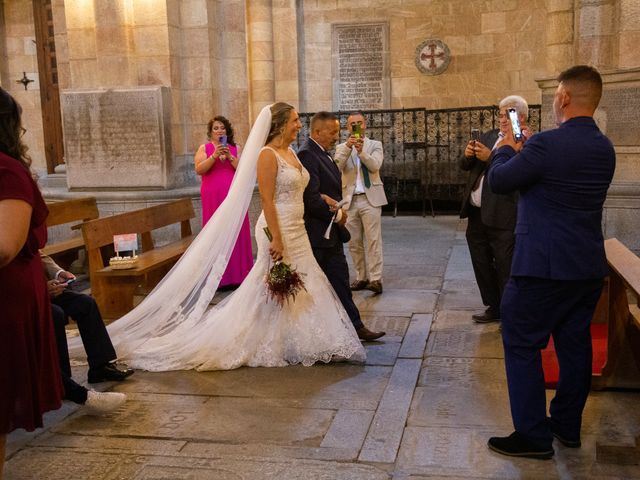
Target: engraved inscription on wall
x=116 y=138
x=360 y=55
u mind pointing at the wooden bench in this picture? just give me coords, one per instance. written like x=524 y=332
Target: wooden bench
x=114 y=290
x=69 y=211
x=622 y=368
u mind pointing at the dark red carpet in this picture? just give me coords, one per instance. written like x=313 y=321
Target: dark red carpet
x=599 y=342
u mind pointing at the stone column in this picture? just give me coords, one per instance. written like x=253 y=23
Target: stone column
x=260 y=55
x=560 y=35
x=596 y=33
x=229 y=64
x=285 y=56
x=628 y=33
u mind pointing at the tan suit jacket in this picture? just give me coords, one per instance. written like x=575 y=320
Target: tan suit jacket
x=51 y=268
x=372 y=156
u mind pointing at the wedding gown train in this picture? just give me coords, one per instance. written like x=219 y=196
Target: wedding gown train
x=247 y=328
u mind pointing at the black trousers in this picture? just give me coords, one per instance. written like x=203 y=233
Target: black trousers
x=95 y=338
x=491 y=251
x=334 y=265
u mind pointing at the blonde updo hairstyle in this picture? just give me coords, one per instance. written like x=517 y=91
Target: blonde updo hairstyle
x=280 y=113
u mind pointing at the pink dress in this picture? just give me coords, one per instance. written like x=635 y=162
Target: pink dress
x=215 y=186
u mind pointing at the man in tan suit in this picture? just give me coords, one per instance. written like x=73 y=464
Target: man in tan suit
x=360 y=159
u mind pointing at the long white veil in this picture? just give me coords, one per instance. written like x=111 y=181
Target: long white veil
x=183 y=295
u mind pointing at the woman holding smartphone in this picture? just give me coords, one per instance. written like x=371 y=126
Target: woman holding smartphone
x=216 y=162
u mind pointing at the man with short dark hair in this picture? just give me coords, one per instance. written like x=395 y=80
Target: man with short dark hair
x=360 y=160
x=558 y=265
x=321 y=198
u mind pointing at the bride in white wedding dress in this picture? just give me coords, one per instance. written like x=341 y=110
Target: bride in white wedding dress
x=174 y=328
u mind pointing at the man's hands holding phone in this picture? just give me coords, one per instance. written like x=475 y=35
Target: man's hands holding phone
x=509 y=139
x=63 y=280
x=476 y=149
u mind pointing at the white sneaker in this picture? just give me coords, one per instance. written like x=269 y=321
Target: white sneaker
x=103 y=402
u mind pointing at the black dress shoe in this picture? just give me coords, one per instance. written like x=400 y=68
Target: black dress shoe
x=367 y=335
x=517 y=445
x=488 y=316
x=108 y=372
x=562 y=437
x=359 y=285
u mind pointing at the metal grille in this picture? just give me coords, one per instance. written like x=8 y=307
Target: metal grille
x=422 y=148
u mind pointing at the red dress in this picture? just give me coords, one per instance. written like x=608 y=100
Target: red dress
x=30 y=382
x=215 y=186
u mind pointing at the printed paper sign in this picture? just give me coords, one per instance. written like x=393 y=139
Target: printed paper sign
x=125 y=242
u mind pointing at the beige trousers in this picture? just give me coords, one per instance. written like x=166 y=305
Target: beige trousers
x=365 y=246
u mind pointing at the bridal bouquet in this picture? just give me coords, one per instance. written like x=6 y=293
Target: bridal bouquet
x=282 y=280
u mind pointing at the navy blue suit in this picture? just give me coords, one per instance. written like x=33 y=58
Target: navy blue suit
x=557 y=270
x=325 y=177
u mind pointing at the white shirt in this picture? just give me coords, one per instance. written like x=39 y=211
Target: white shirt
x=360 y=188
x=476 y=195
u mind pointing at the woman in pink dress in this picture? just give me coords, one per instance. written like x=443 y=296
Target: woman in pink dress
x=216 y=162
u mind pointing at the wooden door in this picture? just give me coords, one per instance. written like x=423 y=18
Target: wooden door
x=49 y=92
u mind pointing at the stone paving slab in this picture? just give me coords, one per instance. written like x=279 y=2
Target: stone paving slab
x=383 y=352
x=147 y=446
x=460 y=320
x=437 y=406
x=481 y=343
x=321 y=386
x=383 y=439
x=438 y=452
x=463 y=373
x=215 y=419
x=461 y=299
x=396 y=327
x=396 y=302
x=57 y=464
x=415 y=340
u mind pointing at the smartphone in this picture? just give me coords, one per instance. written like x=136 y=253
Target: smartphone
x=223 y=140
x=515 y=124
x=355 y=130
x=68 y=282
x=475 y=134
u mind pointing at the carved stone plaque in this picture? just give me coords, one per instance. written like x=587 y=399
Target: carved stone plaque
x=361 y=66
x=432 y=57
x=118 y=138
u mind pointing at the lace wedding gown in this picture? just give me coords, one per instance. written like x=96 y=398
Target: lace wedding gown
x=249 y=329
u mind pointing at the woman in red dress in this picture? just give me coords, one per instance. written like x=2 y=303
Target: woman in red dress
x=216 y=162
x=29 y=373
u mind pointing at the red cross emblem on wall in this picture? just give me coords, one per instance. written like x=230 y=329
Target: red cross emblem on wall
x=432 y=57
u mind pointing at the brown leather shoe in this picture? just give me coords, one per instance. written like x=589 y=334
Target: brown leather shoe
x=367 y=335
x=359 y=285
x=375 y=287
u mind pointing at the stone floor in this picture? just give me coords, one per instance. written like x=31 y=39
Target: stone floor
x=423 y=405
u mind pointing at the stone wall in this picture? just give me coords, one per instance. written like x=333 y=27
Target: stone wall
x=497 y=48
x=18 y=55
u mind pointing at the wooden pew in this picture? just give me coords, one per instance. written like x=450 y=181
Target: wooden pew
x=69 y=211
x=622 y=369
x=114 y=290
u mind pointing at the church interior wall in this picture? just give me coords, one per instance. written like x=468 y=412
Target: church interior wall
x=497 y=48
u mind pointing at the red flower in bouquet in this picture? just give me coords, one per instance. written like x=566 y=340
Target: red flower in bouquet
x=282 y=280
